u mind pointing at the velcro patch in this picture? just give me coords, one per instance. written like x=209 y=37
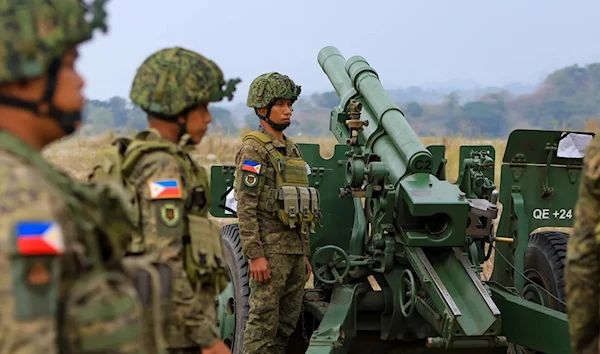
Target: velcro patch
x=34 y=238
x=165 y=189
x=251 y=166
x=250 y=180
x=170 y=214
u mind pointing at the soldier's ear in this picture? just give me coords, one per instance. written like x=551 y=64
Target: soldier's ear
x=262 y=111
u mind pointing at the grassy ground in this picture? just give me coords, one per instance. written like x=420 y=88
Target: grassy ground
x=77 y=155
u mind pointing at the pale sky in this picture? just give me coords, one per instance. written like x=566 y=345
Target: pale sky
x=407 y=42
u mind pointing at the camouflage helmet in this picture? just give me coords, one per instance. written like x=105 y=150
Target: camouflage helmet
x=175 y=79
x=33 y=33
x=269 y=87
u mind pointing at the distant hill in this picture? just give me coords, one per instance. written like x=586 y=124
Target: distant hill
x=565 y=99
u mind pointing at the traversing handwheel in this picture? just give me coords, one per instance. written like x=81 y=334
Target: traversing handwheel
x=325 y=263
x=408 y=292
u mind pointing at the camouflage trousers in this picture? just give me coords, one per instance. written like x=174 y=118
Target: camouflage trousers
x=275 y=305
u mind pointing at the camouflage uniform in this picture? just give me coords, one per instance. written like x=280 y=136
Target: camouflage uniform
x=171 y=193
x=274 y=305
x=63 y=287
x=582 y=266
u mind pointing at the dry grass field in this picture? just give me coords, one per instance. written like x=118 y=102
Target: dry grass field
x=76 y=155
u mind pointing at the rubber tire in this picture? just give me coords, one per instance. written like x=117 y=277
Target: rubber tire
x=545 y=255
x=516 y=349
x=238 y=268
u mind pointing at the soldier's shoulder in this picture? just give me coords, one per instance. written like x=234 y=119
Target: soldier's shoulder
x=251 y=147
x=18 y=175
x=155 y=165
x=156 y=159
x=26 y=195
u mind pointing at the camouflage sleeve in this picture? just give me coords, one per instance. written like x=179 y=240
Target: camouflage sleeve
x=33 y=224
x=249 y=182
x=206 y=333
x=582 y=268
x=161 y=194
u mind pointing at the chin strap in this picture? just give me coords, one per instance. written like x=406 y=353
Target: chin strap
x=45 y=107
x=277 y=126
x=182 y=128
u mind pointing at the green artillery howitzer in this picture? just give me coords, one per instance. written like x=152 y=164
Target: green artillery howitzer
x=398 y=259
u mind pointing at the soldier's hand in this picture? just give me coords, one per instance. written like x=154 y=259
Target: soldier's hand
x=260 y=269
x=308 y=267
x=217 y=348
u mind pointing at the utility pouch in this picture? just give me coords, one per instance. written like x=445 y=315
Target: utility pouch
x=206 y=263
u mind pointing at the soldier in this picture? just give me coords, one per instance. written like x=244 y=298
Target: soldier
x=276 y=211
x=63 y=287
x=170 y=193
x=582 y=265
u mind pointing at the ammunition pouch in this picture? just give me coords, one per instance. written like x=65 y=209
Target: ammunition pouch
x=299 y=207
x=103 y=315
x=204 y=257
x=293 y=202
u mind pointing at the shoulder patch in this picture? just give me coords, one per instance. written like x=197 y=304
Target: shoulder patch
x=169 y=214
x=165 y=189
x=39 y=238
x=250 y=180
x=251 y=166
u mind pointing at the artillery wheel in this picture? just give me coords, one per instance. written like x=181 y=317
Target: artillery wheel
x=544 y=266
x=517 y=349
x=407 y=296
x=232 y=303
x=324 y=263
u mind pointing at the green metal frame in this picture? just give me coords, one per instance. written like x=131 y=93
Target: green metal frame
x=390 y=214
x=538 y=189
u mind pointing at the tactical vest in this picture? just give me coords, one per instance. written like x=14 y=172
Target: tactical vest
x=99 y=310
x=203 y=254
x=293 y=201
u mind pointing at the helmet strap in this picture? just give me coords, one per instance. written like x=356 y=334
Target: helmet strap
x=182 y=128
x=45 y=107
x=183 y=133
x=277 y=126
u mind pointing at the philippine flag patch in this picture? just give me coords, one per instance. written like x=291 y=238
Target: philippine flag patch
x=251 y=166
x=165 y=189
x=39 y=238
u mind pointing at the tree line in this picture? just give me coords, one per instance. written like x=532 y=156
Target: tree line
x=567 y=99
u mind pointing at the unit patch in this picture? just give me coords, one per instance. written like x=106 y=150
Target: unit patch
x=250 y=180
x=165 y=189
x=38 y=274
x=169 y=214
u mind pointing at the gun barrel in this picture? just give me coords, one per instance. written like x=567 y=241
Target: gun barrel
x=366 y=81
x=333 y=63
x=355 y=78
